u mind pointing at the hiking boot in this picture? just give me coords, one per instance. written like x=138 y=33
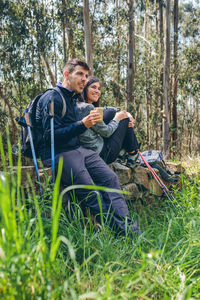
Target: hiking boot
x=122 y=157
x=133 y=160
x=121 y=160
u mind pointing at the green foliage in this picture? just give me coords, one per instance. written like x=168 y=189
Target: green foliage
x=32 y=31
x=50 y=253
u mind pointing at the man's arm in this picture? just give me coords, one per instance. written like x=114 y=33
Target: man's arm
x=64 y=131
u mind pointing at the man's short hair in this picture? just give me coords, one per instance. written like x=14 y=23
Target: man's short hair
x=72 y=63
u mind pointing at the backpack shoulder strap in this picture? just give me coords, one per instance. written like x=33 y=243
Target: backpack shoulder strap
x=62 y=97
x=63 y=100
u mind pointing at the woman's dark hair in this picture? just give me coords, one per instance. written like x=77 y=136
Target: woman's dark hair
x=91 y=80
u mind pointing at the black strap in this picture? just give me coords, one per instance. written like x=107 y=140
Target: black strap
x=62 y=97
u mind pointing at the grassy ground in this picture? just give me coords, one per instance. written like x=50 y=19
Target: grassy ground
x=46 y=253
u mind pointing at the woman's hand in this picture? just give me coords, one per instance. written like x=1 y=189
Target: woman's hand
x=91 y=119
x=121 y=115
x=132 y=121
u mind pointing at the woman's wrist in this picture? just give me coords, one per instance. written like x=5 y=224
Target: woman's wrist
x=116 y=119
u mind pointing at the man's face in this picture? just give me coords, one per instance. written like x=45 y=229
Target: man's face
x=77 y=79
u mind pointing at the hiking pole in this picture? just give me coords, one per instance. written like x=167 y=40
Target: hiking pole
x=52 y=140
x=158 y=180
x=161 y=182
x=28 y=123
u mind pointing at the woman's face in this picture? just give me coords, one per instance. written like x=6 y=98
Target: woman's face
x=93 y=92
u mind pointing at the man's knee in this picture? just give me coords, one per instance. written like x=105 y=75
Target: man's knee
x=112 y=179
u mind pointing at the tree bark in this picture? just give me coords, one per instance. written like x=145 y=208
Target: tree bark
x=6 y=101
x=54 y=45
x=175 y=77
x=64 y=31
x=161 y=50
x=52 y=78
x=166 y=83
x=131 y=35
x=70 y=40
x=157 y=90
x=118 y=96
x=147 y=89
x=88 y=36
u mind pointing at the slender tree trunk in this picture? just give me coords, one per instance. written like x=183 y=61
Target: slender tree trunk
x=131 y=35
x=32 y=59
x=166 y=83
x=147 y=87
x=64 y=31
x=40 y=67
x=54 y=46
x=161 y=51
x=39 y=52
x=88 y=36
x=70 y=40
x=6 y=101
x=118 y=97
x=52 y=78
x=175 y=77
x=157 y=90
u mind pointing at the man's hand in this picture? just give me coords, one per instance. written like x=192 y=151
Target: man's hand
x=91 y=119
x=121 y=115
x=132 y=121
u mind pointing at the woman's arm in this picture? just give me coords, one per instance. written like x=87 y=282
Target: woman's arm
x=106 y=130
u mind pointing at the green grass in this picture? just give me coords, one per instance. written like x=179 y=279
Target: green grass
x=49 y=253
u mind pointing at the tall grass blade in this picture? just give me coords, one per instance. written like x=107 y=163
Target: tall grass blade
x=39 y=218
x=56 y=209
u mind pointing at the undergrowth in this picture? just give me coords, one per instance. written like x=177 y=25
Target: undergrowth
x=48 y=252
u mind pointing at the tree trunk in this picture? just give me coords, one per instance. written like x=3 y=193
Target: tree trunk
x=54 y=46
x=175 y=77
x=70 y=40
x=131 y=35
x=118 y=96
x=157 y=90
x=166 y=83
x=37 y=35
x=88 y=36
x=161 y=50
x=52 y=78
x=6 y=101
x=64 y=31
x=147 y=89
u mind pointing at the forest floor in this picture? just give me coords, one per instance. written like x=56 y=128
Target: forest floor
x=49 y=253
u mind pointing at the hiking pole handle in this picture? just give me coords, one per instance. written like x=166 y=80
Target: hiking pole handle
x=52 y=108
x=27 y=118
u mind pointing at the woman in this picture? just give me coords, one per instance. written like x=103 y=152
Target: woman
x=109 y=137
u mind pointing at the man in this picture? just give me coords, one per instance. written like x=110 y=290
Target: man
x=80 y=165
